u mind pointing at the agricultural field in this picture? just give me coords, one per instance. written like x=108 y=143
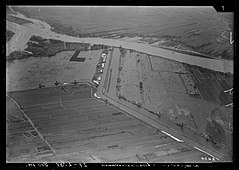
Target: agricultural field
x=169 y=90
x=212 y=85
x=21 y=137
x=76 y=46
x=152 y=96
x=72 y=126
x=198 y=29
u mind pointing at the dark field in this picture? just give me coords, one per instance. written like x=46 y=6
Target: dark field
x=74 y=57
x=9 y=35
x=18 y=55
x=40 y=47
x=17 y=20
x=75 y=127
x=212 y=84
x=76 y=46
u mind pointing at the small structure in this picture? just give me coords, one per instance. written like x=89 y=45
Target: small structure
x=74 y=82
x=96 y=82
x=41 y=85
x=230 y=104
x=103 y=55
x=118 y=80
x=103 y=60
x=99 y=70
x=99 y=78
x=138 y=104
x=229 y=90
x=141 y=85
x=96 y=96
x=98 y=66
x=56 y=83
x=160 y=114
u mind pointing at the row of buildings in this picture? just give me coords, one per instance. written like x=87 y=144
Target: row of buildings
x=99 y=68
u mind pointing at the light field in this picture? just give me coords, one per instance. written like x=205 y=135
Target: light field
x=28 y=73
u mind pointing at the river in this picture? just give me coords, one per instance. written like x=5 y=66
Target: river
x=40 y=28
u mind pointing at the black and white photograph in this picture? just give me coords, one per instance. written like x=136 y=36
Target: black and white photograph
x=119 y=84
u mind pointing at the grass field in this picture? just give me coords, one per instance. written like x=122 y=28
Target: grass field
x=74 y=127
x=28 y=73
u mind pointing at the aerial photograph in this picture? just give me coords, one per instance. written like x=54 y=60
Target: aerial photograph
x=119 y=84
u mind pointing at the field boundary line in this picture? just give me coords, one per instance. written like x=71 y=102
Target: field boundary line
x=162 y=124
x=39 y=134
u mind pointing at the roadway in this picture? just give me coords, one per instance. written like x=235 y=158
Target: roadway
x=25 y=33
x=193 y=141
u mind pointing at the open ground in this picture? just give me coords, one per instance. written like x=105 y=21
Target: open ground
x=29 y=72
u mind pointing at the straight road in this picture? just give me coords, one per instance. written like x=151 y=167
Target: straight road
x=145 y=116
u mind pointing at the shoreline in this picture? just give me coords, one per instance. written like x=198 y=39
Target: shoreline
x=212 y=64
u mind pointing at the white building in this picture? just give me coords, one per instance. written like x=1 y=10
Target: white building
x=99 y=78
x=96 y=82
x=103 y=55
